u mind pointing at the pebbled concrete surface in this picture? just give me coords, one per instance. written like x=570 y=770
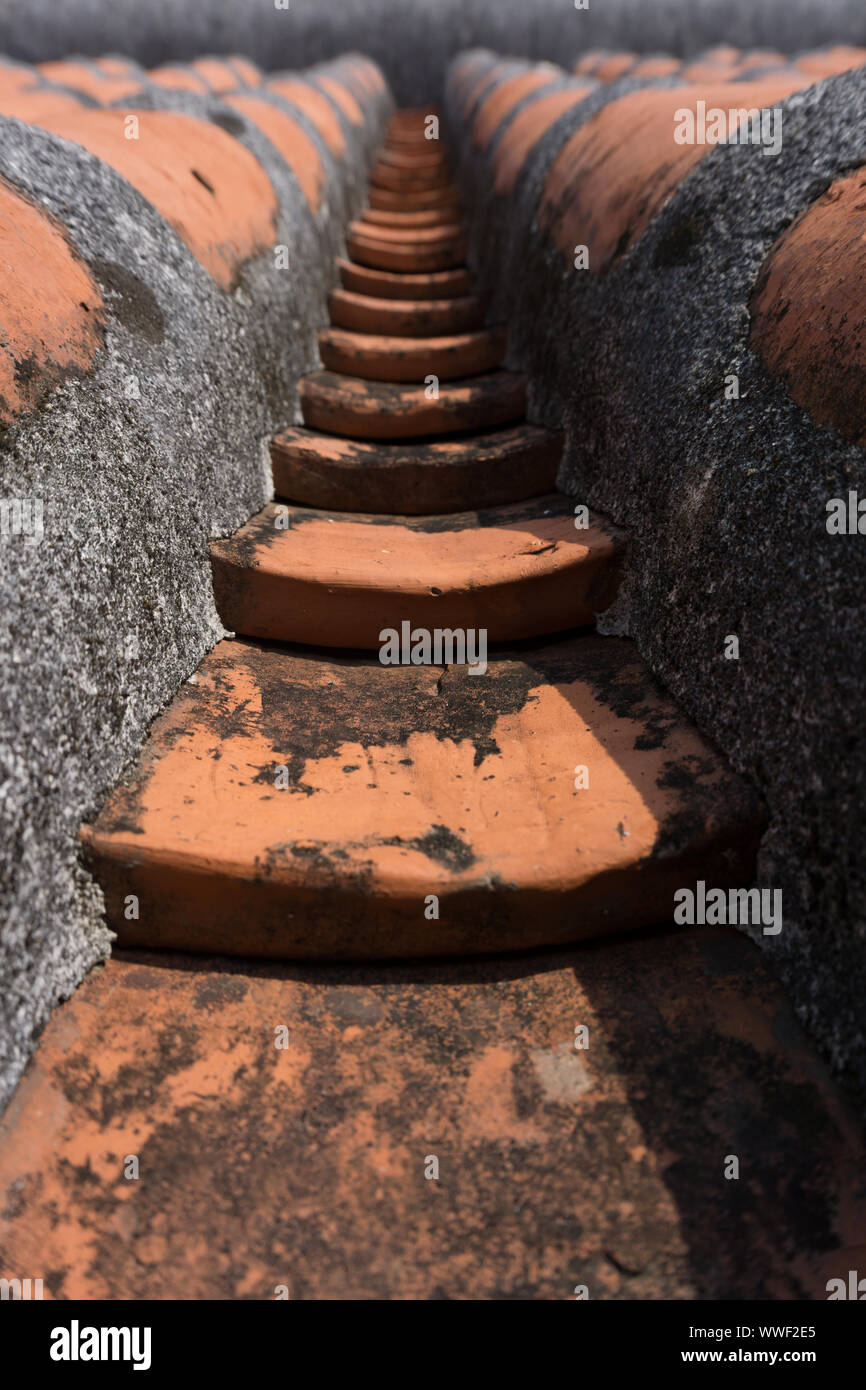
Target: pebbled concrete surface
x=414 y=40
x=161 y=447
x=724 y=501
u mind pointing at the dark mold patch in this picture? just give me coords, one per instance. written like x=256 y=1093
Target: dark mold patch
x=365 y=703
x=233 y=125
x=132 y=302
x=680 y=240
x=442 y=846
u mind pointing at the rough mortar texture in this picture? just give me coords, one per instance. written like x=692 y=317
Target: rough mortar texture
x=725 y=502
x=138 y=464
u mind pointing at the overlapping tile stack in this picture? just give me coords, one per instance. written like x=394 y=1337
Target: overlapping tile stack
x=691 y=313
x=167 y=244
x=563 y=1126
x=170 y=240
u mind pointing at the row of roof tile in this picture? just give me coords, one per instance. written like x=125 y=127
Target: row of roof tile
x=732 y=63
x=611 y=177
x=207 y=184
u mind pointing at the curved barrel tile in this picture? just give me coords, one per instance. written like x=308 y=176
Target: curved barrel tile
x=177 y=77
x=289 y=138
x=336 y=580
x=315 y=106
x=85 y=76
x=338 y=864
x=204 y=183
x=496 y=107
x=616 y=171
x=51 y=310
x=811 y=294
x=484 y=469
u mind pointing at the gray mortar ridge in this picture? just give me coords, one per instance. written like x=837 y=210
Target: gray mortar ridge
x=162 y=446
x=725 y=504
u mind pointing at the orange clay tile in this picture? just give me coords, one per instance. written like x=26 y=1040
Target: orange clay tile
x=660 y=65
x=204 y=183
x=722 y=53
x=218 y=73
x=481 y=83
x=177 y=77
x=104 y=87
x=287 y=136
x=413 y=170
x=411 y=120
x=385 y=284
x=828 y=62
x=465 y=72
x=603 y=65
x=408 y=236
x=247 y=73
x=410 y=318
x=114 y=66
x=614 y=174
x=299 y=805
x=759 y=58
x=614 y=66
x=398 y=157
x=367 y=75
x=416 y=198
x=368 y=246
x=529 y=126
x=38 y=105
x=414 y=180
x=388 y=358
x=412 y=131
x=811 y=295
x=386 y=410
x=425 y=217
x=409 y=143
x=334 y=579
x=51 y=311
x=556 y=1166
x=316 y=107
x=699 y=72
x=445 y=475
x=713 y=65
x=17 y=77
x=499 y=104
x=587 y=63
x=402 y=151
x=342 y=98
